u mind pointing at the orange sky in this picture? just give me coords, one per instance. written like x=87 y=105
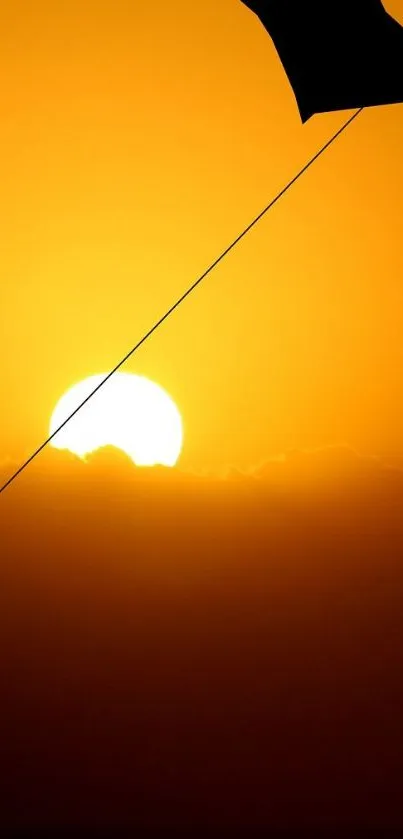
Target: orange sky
x=181 y=651
x=137 y=141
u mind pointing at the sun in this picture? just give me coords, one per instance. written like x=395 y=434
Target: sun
x=129 y=412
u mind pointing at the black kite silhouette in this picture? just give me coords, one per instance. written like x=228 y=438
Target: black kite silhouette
x=338 y=54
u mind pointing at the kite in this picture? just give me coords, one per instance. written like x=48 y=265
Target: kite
x=337 y=54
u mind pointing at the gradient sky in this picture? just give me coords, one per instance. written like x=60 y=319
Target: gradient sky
x=178 y=650
x=137 y=141
x=184 y=653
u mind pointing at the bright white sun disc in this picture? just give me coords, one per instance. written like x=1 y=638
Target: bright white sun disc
x=128 y=411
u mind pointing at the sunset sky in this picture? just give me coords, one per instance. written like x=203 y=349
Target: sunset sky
x=137 y=141
x=216 y=646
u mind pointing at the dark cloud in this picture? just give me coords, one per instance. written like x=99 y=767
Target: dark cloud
x=185 y=652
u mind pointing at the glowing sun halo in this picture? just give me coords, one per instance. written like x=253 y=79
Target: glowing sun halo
x=129 y=412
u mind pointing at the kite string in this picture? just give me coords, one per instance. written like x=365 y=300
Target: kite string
x=184 y=296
